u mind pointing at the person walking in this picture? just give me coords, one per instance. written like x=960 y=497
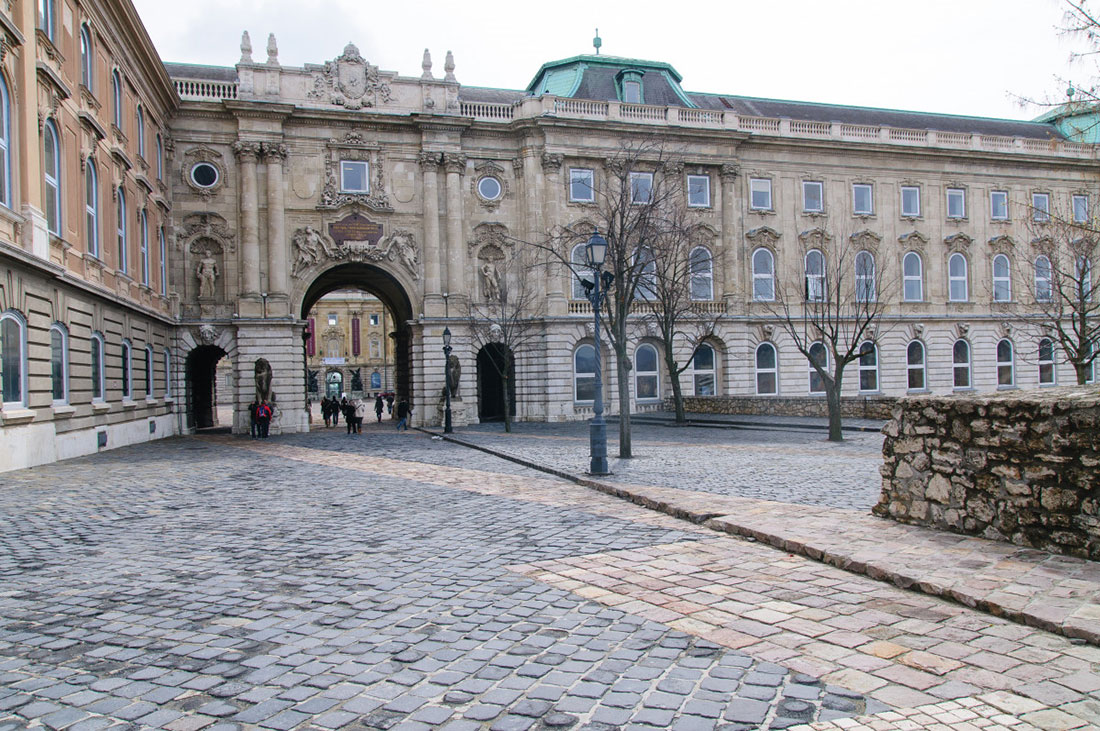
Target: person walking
x=389 y=403
x=339 y=408
x=348 y=410
x=403 y=412
x=253 y=422
x=325 y=410
x=378 y=406
x=360 y=414
x=263 y=416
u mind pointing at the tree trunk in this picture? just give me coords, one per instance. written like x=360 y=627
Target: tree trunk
x=507 y=403
x=677 y=390
x=1082 y=373
x=832 y=395
x=623 y=370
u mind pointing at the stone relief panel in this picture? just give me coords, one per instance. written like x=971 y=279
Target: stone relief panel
x=349 y=81
x=311 y=248
x=354 y=148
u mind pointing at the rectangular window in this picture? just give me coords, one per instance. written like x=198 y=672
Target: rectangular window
x=813 y=196
x=641 y=187
x=632 y=92
x=998 y=205
x=910 y=200
x=699 y=191
x=1040 y=207
x=1080 y=208
x=956 y=203
x=760 y=194
x=331 y=319
x=354 y=176
x=863 y=203
x=581 y=188
x=374 y=319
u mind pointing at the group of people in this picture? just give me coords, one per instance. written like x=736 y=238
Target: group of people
x=355 y=410
x=259 y=418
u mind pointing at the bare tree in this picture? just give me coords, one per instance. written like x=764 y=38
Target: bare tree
x=842 y=293
x=501 y=317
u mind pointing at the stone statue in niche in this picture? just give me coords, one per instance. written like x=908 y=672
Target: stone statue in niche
x=207 y=272
x=263 y=381
x=454 y=374
x=312 y=382
x=357 y=379
x=490 y=281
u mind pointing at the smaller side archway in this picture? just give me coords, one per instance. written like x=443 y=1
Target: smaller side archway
x=496 y=371
x=201 y=379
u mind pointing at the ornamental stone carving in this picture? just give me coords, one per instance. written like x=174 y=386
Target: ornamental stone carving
x=729 y=171
x=866 y=239
x=958 y=241
x=210 y=156
x=913 y=239
x=763 y=236
x=208 y=334
x=349 y=81
x=208 y=227
x=815 y=237
x=551 y=161
x=274 y=152
x=311 y=247
x=246 y=151
x=355 y=147
x=429 y=161
x=454 y=162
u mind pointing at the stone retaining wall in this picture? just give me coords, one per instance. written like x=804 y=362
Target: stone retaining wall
x=852 y=407
x=1022 y=467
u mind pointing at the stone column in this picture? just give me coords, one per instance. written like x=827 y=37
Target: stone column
x=456 y=247
x=274 y=155
x=732 y=252
x=433 y=255
x=248 y=154
x=550 y=194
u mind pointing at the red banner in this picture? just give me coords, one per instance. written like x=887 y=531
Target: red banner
x=355 y=337
x=311 y=341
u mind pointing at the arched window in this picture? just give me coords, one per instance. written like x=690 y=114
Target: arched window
x=163 y=261
x=763 y=275
x=91 y=207
x=5 y=144
x=767 y=370
x=87 y=70
x=13 y=359
x=1006 y=364
x=1044 y=282
x=958 y=286
x=1046 y=362
x=98 y=379
x=59 y=363
x=160 y=158
x=702 y=274
x=960 y=363
x=149 y=385
x=1002 y=281
x=140 y=121
x=51 y=171
x=167 y=374
x=123 y=254
x=868 y=367
x=704 y=377
x=815 y=276
x=116 y=98
x=914 y=366
x=127 y=371
x=819 y=356
x=865 y=277
x=912 y=277
x=584 y=373
x=145 y=248
x=580 y=270
x=646 y=376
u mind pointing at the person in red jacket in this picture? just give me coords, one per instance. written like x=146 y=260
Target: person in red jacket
x=263 y=417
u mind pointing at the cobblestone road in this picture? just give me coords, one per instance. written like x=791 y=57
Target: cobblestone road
x=395 y=581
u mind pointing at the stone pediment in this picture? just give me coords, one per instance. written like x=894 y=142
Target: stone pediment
x=349 y=81
x=763 y=235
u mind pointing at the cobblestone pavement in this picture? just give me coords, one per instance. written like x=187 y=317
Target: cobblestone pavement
x=396 y=581
x=791 y=466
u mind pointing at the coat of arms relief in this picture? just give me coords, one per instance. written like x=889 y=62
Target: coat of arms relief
x=349 y=81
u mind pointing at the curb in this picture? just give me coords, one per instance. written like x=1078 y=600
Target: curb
x=722 y=424
x=722 y=523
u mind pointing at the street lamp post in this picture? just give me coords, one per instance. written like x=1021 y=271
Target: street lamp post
x=594 y=253
x=447 y=381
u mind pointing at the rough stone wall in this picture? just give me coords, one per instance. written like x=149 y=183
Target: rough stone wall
x=1022 y=467
x=876 y=407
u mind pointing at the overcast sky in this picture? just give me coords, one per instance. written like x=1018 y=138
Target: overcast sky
x=953 y=56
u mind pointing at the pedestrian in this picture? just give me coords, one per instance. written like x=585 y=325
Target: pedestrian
x=348 y=410
x=389 y=403
x=378 y=406
x=360 y=414
x=325 y=410
x=263 y=417
x=404 y=410
x=253 y=422
x=338 y=409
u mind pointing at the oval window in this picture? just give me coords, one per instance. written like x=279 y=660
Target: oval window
x=489 y=188
x=204 y=175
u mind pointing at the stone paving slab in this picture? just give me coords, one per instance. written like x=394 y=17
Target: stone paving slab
x=1053 y=592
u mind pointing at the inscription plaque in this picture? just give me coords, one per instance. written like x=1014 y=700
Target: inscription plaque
x=355 y=227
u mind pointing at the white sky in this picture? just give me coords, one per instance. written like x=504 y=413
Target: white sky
x=952 y=56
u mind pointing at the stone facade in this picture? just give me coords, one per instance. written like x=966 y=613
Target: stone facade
x=1019 y=466
x=851 y=407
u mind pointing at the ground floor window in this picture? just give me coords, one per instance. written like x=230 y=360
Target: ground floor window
x=868 y=367
x=646 y=376
x=584 y=373
x=960 y=363
x=703 y=371
x=819 y=357
x=767 y=370
x=59 y=364
x=1046 y=362
x=13 y=359
x=98 y=386
x=914 y=360
x=1006 y=365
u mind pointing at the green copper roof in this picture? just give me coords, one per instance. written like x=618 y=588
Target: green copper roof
x=582 y=61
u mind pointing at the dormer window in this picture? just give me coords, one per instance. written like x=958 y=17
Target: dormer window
x=631 y=87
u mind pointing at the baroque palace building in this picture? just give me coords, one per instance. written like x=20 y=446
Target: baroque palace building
x=156 y=218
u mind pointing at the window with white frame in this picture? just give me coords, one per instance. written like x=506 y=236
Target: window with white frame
x=767 y=370
x=813 y=196
x=123 y=254
x=702 y=274
x=355 y=176
x=760 y=194
x=1006 y=364
x=815 y=276
x=703 y=373
x=960 y=364
x=698 y=191
x=160 y=157
x=1080 y=208
x=819 y=357
x=914 y=366
x=51 y=170
x=910 y=201
x=912 y=274
x=646 y=287
x=763 y=275
x=1046 y=362
x=632 y=91
x=145 y=248
x=116 y=98
x=149 y=370
x=99 y=385
x=127 y=372
x=167 y=374
x=47 y=19
x=5 y=144
x=584 y=373
x=998 y=205
x=1082 y=273
x=163 y=261
x=641 y=188
x=13 y=360
x=139 y=120
x=1044 y=282
x=868 y=367
x=646 y=376
x=956 y=203
x=332 y=319
x=580 y=271
x=87 y=69
x=958 y=284
x=374 y=318
x=1090 y=369
x=1040 y=207
x=1002 y=279
x=863 y=199
x=582 y=187
x=59 y=363
x=866 y=289
x=91 y=207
